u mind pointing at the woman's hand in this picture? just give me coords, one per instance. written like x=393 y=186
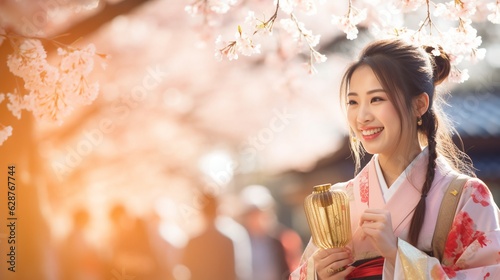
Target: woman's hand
x=330 y=262
x=377 y=226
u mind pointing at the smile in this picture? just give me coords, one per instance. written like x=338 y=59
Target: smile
x=371 y=131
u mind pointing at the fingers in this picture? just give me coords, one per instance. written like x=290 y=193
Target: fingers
x=329 y=262
x=335 y=274
x=343 y=274
x=375 y=215
x=376 y=224
x=329 y=252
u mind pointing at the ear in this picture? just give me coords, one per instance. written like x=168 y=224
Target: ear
x=421 y=103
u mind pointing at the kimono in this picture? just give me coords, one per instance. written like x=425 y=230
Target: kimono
x=472 y=249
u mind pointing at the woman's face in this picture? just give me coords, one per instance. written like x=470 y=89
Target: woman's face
x=372 y=117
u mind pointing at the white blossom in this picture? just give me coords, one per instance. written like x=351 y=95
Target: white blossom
x=386 y=19
x=317 y=57
x=5 y=133
x=246 y=46
x=494 y=17
x=463 y=42
x=458 y=76
x=228 y=50
x=243 y=44
x=261 y=26
x=28 y=59
x=221 y=6
x=16 y=104
x=456 y=9
x=52 y=91
x=299 y=33
x=48 y=106
x=411 y=5
x=287 y=6
x=307 y=6
x=348 y=22
x=78 y=60
x=204 y=6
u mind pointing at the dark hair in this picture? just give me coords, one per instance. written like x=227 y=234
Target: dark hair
x=405 y=71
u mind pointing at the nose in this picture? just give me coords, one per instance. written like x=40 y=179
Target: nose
x=364 y=114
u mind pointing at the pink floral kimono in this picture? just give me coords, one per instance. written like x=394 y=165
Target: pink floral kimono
x=472 y=250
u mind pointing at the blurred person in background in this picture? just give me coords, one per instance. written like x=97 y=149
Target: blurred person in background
x=130 y=245
x=79 y=258
x=161 y=249
x=275 y=248
x=210 y=255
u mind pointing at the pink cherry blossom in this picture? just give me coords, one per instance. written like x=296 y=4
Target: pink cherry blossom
x=386 y=19
x=16 y=104
x=242 y=44
x=456 y=9
x=208 y=6
x=348 y=22
x=458 y=76
x=261 y=25
x=52 y=91
x=411 y=5
x=494 y=17
x=5 y=133
x=299 y=33
x=287 y=6
x=246 y=46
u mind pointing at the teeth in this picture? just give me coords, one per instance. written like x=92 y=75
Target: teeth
x=372 y=131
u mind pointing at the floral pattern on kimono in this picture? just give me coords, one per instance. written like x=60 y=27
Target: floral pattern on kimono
x=363 y=187
x=472 y=247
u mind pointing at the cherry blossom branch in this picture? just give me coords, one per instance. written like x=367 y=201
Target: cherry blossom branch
x=350 y=20
x=269 y=24
x=244 y=43
x=312 y=41
x=427 y=20
x=459 y=42
x=51 y=92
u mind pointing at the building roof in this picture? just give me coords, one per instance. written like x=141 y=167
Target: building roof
x=475 y=114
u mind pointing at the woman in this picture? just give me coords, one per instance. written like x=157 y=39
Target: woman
x=393 y=113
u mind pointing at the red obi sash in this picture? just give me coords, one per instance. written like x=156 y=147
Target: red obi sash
x=367 y=269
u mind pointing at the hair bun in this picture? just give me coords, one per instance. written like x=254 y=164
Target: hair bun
x=441 y=65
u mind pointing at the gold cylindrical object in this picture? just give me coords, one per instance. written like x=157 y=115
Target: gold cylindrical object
x=328 y=215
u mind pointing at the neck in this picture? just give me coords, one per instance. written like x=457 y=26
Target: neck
x=393 y=165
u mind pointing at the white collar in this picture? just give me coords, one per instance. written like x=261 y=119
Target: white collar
x=388 y=192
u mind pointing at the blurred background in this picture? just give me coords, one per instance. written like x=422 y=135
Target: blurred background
x=184 y=163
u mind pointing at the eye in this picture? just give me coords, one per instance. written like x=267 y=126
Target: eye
x=351 y=102
x=377 y=99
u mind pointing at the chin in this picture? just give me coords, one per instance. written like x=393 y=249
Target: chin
x=369 y=150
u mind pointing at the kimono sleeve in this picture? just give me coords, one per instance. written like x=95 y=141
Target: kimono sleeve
x=472 y=249
x=306 y=270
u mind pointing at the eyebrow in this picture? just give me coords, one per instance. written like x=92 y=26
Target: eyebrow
x=369 y=92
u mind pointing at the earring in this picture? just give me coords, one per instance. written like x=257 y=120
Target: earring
x=354 y=139
x=419 y=121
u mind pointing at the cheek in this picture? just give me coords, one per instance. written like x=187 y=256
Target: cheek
x=389 y=114
x=351 y=118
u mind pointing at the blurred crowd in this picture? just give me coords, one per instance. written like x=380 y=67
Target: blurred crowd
x=250 y=245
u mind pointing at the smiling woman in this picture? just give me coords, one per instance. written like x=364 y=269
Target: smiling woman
x=393 y=113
